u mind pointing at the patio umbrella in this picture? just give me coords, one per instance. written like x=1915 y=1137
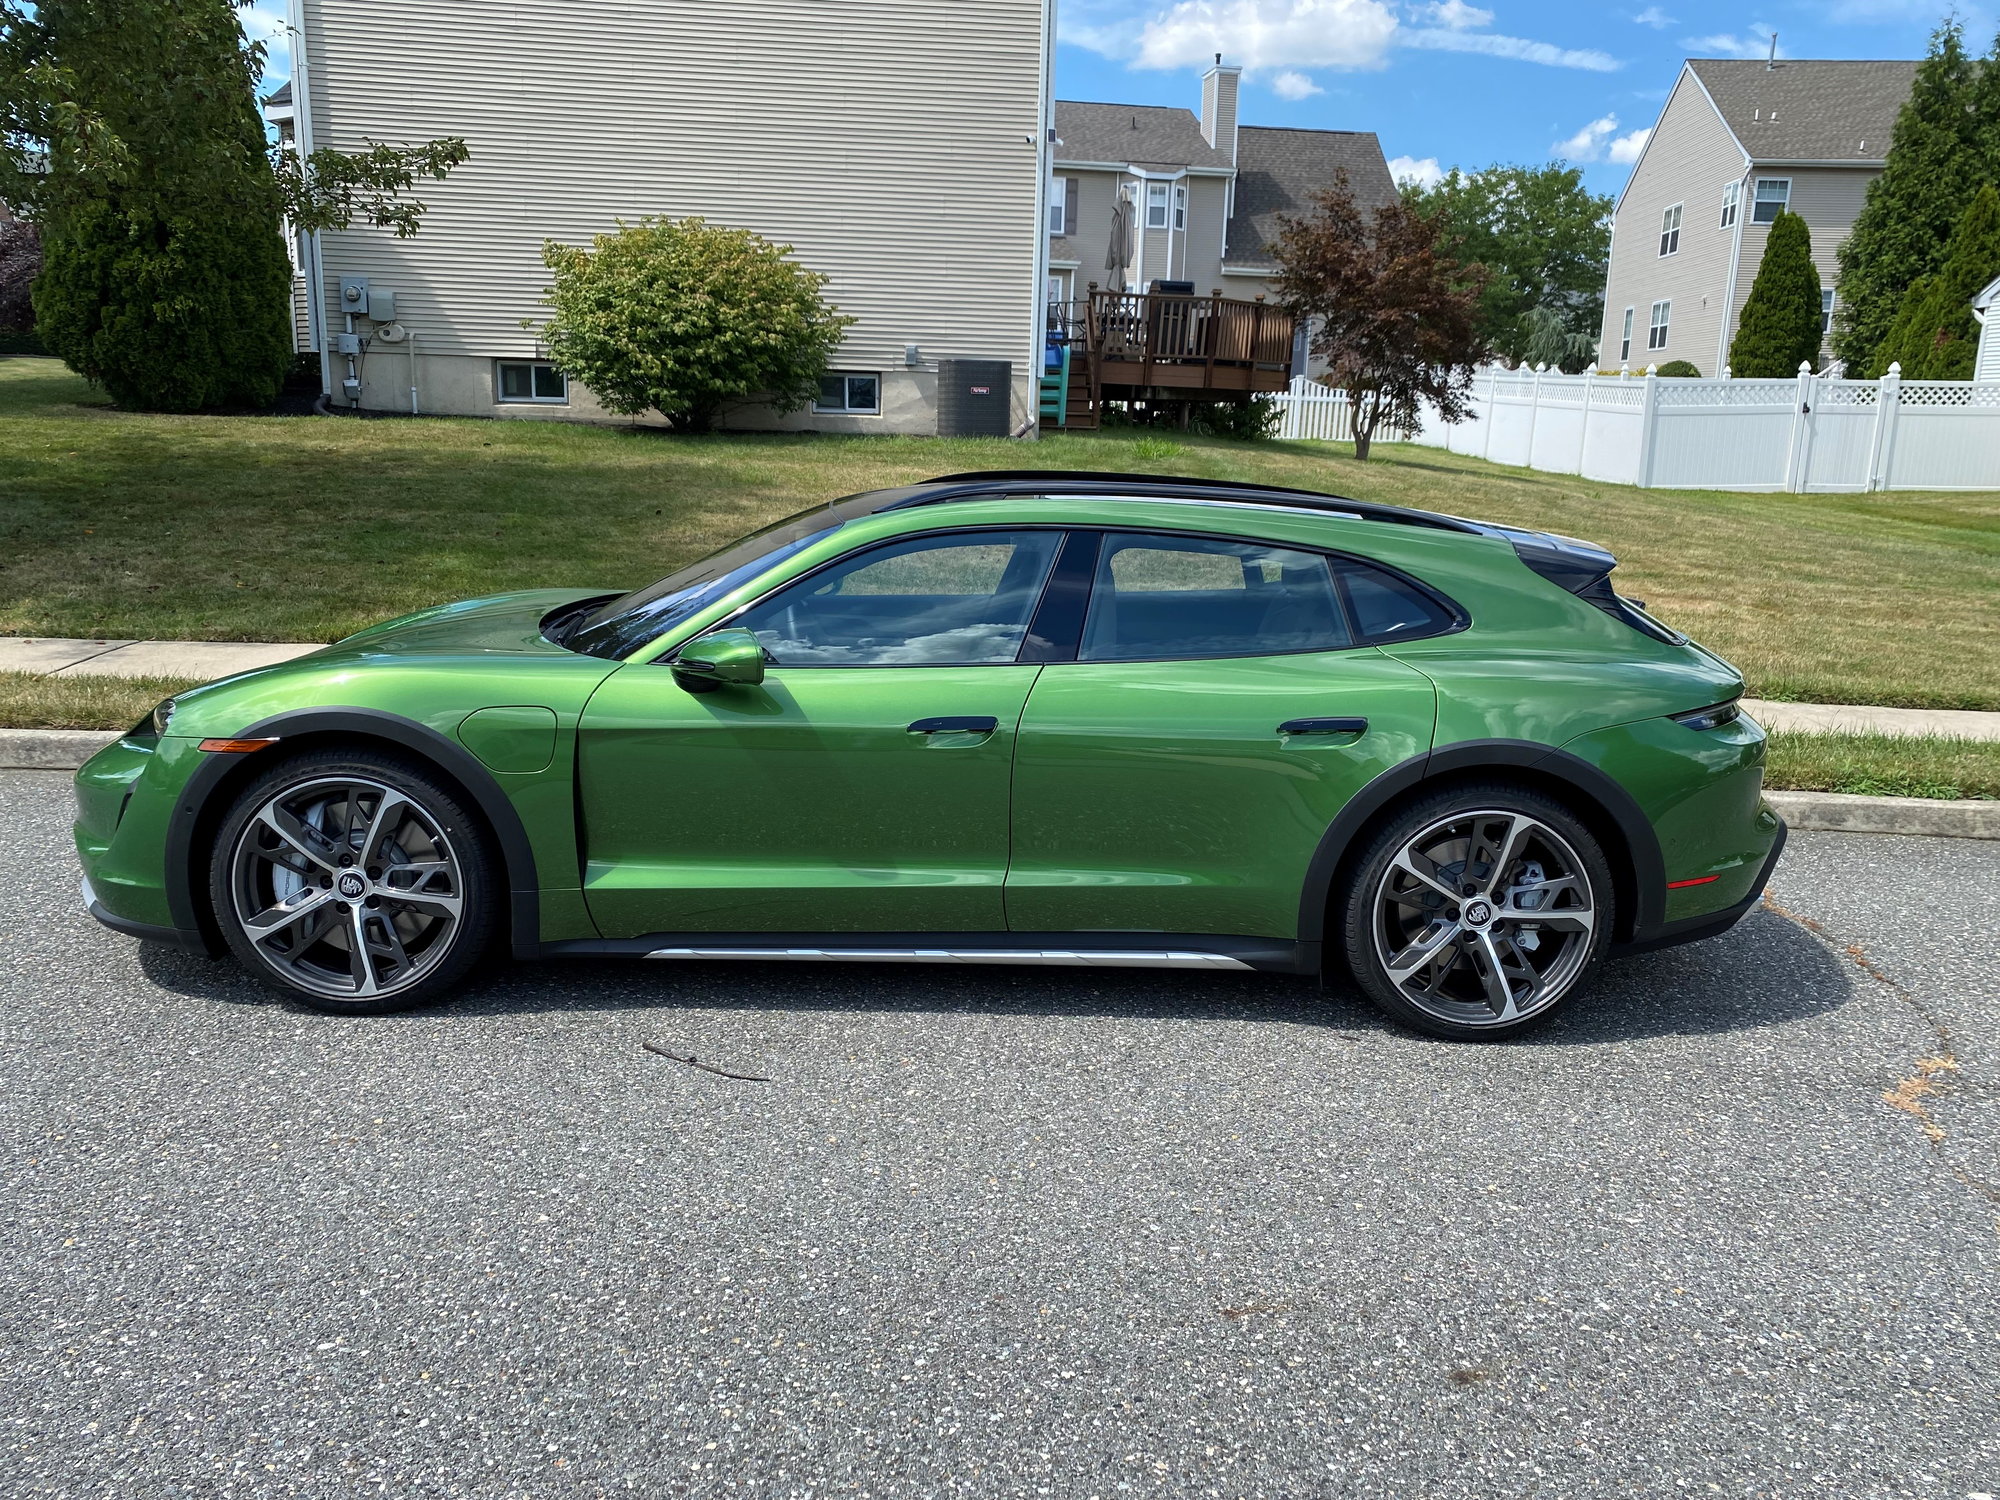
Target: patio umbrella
x=1119 y=252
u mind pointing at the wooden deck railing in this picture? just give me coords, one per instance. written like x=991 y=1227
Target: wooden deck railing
x=1164 y=333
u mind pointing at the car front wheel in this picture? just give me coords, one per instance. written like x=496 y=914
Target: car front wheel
x=354 y=884
x=1477 y=912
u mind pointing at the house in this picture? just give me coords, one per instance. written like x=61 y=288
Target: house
x=1737 y=142
x=901 y=148
x=1986 y=364
x=1151 y=198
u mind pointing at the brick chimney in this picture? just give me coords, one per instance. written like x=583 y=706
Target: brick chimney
x=1218 y=107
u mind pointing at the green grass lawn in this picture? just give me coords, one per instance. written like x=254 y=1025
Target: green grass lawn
x=1884 y=765
x=251 y=528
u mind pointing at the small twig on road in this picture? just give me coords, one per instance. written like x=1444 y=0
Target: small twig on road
x=694 y=1062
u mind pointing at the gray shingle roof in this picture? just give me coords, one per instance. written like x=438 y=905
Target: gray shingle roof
x=1277 y=172
x=283 y=95
x=1825 y=111
x=1144 y=134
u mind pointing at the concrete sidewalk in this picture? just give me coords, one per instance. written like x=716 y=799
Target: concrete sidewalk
x=1850 y=718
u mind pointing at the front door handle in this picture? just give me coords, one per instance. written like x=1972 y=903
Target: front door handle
x=957 y=724
x=1324 y=726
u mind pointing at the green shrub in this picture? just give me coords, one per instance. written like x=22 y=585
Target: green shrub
x=20 y=261
x=1780 y=327
x=1252 y=421
x=1680 y=369
x=688 y=319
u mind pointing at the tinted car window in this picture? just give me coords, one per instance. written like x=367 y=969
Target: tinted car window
x=1387 y=608
x=954 y=600
x=1166 y=596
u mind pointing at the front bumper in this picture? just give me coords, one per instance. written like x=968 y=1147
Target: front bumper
x=148 y=932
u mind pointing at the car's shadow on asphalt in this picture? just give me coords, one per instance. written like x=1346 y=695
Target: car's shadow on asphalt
x=1768 y=972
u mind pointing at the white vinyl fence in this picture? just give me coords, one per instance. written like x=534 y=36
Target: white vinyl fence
x=1310 y=411
x=1805 y=434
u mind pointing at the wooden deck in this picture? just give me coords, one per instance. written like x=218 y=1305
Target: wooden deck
x=1156 y=346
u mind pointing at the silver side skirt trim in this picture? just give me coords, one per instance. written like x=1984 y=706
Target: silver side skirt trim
x=1108 y=958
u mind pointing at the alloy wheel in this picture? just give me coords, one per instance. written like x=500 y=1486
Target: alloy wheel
x=1484 y=918
x=347 y=887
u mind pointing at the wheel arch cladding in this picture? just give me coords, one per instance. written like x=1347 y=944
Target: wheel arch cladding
x=1599 y=802
x=206 y=798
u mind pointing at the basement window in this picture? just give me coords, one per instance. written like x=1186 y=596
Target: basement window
x=529 y=381
x=850 y=395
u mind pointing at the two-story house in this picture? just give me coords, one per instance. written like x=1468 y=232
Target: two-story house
x=901 y=148
x=1737 y=142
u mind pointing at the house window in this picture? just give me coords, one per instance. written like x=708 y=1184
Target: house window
x=525 y=381
x=855 y=395
x=1656 y=334
x=1180 y=207
x=1732 y=194
x=1773 y=195
x=1156 y=205
x=1062 y=206
x=1670 y=230
x=1055 y=205
x=1625 y=339
x=1825 y=311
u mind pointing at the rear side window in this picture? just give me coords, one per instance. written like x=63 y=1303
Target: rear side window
x=1168 y=596
x=1387 y=608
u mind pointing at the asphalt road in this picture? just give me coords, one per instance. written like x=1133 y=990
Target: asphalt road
x=998 y=1233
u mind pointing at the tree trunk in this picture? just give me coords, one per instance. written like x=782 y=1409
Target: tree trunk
x=1364 y=424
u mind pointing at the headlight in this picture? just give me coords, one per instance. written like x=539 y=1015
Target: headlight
x=1712 y=717
x=161 y=717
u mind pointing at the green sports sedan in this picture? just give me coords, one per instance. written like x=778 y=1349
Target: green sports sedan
x=1020 y=718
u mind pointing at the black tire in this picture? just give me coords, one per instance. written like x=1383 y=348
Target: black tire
x=1484 y=953
x=425 y=904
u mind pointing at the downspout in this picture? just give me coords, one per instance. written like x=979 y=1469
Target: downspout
x=1044 y=168
x=302 y=141
x=1744 y=207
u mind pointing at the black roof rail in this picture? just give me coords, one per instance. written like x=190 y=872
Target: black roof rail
x=949 y=487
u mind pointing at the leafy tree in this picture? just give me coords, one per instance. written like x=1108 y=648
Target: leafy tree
x=688 y=319
x=1933 y=168
x=1780 y=327
x=129 y=134
x=1935 y=336
x=1397 y=320
x=1544 y=240
x=20 y=259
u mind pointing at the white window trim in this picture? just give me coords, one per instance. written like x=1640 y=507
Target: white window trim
x=1165 y=200
x=1829 y=299
x=1732 y=203
x=1784 y=203
x=1659 y=323
x=500 y=398
x=1625 y=338
x=1670 y=232
x=852 y=411
x=1180 y=206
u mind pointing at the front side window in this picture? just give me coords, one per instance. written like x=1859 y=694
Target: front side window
x=960 y=599
x=530 y=380
x=1156 y=205
x=1179 y=597
x=1625 y=339
x=1773 y=195
x=1732 y=194
x=856 y=395
x=1670 y=230
x=1656 y=334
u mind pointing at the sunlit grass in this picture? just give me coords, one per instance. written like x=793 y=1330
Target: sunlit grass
x=1884 y=765
x=31 y=702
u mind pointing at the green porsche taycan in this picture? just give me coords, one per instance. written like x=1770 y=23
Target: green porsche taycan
x=1023 y=718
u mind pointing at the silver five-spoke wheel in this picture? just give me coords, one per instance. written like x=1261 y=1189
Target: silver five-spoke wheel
x=348 y=888
x=1484 y=918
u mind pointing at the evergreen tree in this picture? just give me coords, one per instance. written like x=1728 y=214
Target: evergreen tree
x=1780 y=325
x=1934 y=166
x=165 y=278
x=1935 y=336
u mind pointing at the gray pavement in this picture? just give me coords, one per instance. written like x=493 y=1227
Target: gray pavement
x=996 y=1233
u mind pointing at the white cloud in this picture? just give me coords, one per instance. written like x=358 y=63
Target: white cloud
x=1654 y=17
x=1627 y=147
x=265 y=22
x=1519 y=49
x=1588 y=143
x=1290 y=85
x=1268 y=33
x=1456 y=15
x=1756 y=43
x=1424 y=171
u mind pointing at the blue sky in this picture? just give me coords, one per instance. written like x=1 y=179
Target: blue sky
x=1449 y=82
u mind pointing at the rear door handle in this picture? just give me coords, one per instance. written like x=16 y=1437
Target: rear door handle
x=1324 y=726
x=957 y=724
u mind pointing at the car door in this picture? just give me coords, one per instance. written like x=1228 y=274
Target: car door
x=1222 y=707
x=862 y=787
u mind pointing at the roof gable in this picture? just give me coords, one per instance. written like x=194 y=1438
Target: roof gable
x=1808 y=110
x=1278 y=171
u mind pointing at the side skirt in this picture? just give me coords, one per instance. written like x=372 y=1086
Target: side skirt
x=1123 y=950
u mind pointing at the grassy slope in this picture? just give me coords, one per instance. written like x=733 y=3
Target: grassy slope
x=304 y=528
x=1882 y=765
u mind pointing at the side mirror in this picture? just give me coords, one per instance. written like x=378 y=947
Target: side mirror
x=720 y=659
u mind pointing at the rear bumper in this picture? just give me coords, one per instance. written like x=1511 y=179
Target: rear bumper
x=1710 y=924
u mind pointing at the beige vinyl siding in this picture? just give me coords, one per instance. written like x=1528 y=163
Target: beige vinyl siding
x=1096 y=194
x=1688 y=159
x=1208 y=199
x=1827 y=198
x=894 y=146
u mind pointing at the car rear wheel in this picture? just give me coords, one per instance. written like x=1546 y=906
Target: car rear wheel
x=1477 y=912
x=354 y=884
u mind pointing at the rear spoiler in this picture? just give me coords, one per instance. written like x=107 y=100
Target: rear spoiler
x=1584 y=569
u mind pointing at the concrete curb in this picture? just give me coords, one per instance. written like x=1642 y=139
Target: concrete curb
x=1841 y=812
x=50 y=749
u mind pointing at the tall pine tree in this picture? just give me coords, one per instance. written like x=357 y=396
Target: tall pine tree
x=164 y=278
x=1781 y=316
x=1934 y=166
x=1935 y=336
